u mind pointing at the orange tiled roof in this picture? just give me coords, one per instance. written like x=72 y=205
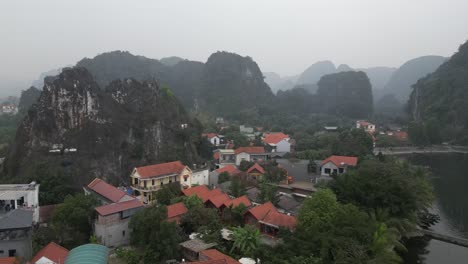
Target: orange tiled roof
x=113 y=208
x=53 y=252
x=218 y=200
x=106 y=190
x=236 y=202
x=216 y=155
x=210 y=135
x=216 y=261
x=340 y=161
x=250 y=150
x=278 y=219
x=10 y=260
x=201 y=191
x=176 y=209
x=162 y=169
x=274 y=138
x=213 y=254
x=231 y=169
x=259 y=212
x=256 y=167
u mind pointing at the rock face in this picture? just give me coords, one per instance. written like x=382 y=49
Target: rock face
x=127 y=124
x=409 y=73
x=28 y=98
x=313 y=74
x=439 y=101
x=346 y=94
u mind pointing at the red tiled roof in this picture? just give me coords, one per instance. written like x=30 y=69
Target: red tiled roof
x=118 y=207
x=210 y=135
x=401 y=135
x=53 y=252
x=218 y=200
x=106 y=190
x=256 y=167
x=201 y=191
x=229 y=145
x=10 y=260
x=363 y=123
x=275 y=218
x=176 y=209
x=162 y=169
x=216 y=155
x=231 y=169
x=340 y=161
x=213 y=254
x=236 y=202
x=250 y=150
x=259 y=212
x=274 y=138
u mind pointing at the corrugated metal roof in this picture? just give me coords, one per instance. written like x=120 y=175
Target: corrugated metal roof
x=88 y=254
x=18 y=218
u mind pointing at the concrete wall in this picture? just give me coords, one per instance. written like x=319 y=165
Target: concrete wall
x=19 y=240
x=242 y=156
x=201 y=177
x=213 y=179
x=331 y=166
x=111 y=234
x=283 y=146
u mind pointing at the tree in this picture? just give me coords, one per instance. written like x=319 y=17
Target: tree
x=236 y=188
x=267 y=193
x=354 y=142
x=223 y=177
x=200 y=219
x=152 y=233
x=167 y=193
x=72 y=220
x=235 y=215
x=275 y=174
x=246 y=240
x=245 y=165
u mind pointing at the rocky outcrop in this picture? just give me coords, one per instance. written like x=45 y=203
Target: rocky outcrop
x=89 y=132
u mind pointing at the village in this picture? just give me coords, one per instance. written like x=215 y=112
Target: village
x=236 y=185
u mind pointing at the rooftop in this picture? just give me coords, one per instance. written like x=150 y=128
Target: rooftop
x=176 y=209
x=213 y=254
x=159 y=170
x=16 y=191
x=196 y=245
x=341 y=161
x=257 y=168
x=237 y=201
x=250 y=150
x=89 y=253
x=113 y=208
x=19 y=218
x=52 y=252
x=231 y=169
x=275 y=138
x=106 y=190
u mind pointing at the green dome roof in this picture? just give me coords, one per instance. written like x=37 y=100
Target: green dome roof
x=88 y=254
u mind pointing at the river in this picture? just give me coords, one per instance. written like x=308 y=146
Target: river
x=450 y=179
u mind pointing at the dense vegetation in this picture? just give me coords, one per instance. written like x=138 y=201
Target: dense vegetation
x=346 y=94
x=439 y=102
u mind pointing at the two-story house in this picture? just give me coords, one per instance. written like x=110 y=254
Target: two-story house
x=254 y=154
x=147 y=180
x=367 y=126
x=224 y=157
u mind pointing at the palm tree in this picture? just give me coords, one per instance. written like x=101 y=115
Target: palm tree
x=246 y=240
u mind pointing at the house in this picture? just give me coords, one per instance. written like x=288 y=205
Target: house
x=246 y=130
x=201 y=177
x=236 y=202
x=255 y=172
x=50 y=254
x=16 y=228
x=337 y=165
x=9 y=109
x=191 y=248
x=147 y=180
x=253 y=154
x=106 y=193
x=214 y=138
x=20 y=196
x=277 y=142
x=175 y=212
x=367 y=126
x=224 y=157
x=111 y=225
x=214 y=175
x=213 y=256
x=201 y=191
x=268 y=220
x=217 y=200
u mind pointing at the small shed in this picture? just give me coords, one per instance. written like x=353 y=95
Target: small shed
x=191 y=248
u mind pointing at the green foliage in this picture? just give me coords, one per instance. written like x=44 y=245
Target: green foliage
x=267 y=193
x=401 y=188
x=237 y=188
x=223 y=177
x=235 y=215
x=72 y=220
x=239 y=139
x=167 y=193
x=245 y=165
x=354 y=142
x=346 y=94
x=246 y=241
x=152 y=233
x=55 y=184
x=193 y=202
x=201 y=219
x=127 y=255
x=274 y=174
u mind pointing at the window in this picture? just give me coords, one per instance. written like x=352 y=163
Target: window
x=152 y=182
x=161 y=183
x=144 y=182
x=327 y=170
x=123 y=233
x=12 y=253
x=136 y=181
x=185 y=179
x=341 y=170
x=170 y=180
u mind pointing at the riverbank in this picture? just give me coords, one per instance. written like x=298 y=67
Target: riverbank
x=421 y=150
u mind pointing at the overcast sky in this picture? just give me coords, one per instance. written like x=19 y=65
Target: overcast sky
x=281 y=36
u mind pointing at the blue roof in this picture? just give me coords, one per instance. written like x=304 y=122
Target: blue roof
x=88 y=254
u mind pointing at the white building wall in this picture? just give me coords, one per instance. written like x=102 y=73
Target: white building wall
x=242 y=156
x=328 y=165
x=201 y=177
x=283 y=146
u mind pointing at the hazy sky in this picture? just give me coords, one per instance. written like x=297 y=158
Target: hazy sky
x=281 y=36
